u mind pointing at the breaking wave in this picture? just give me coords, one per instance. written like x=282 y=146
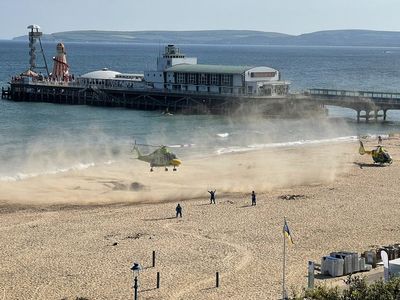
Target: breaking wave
x=223 y=135
x=23 y=176
x=299 y=143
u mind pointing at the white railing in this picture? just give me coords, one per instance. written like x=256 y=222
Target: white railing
x=359 y=94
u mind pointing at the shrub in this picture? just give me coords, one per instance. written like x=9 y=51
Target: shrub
x=357 y=289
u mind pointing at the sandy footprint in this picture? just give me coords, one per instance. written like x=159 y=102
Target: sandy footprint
x=244 y=253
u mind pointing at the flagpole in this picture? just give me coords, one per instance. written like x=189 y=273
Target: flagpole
x=284 y=264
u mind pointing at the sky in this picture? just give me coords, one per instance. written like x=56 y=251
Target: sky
x=284 y=16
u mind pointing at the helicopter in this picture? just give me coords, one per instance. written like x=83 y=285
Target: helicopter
x=379 y=154
x=161 y=157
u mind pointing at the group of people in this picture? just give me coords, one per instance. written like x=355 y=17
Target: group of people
x=212 y=193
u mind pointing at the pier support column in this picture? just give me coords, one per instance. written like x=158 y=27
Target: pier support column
x=375 y=115
x=358 y=116
x=384 y=114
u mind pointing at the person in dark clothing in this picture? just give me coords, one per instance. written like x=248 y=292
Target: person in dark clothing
x=178 y=210
x=212 y=196
x=253 y=198
x=379 y=140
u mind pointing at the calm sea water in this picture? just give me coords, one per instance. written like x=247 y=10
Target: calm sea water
x=40 y=138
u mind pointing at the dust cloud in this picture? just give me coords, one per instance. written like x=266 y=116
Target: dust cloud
x=116 y=177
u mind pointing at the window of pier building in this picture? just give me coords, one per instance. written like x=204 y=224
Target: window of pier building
x=214 y=79
x=280 y=89
x=180 y=78
x=226 y=80
x=262 y=74
x=203 y=79
x=192 y=78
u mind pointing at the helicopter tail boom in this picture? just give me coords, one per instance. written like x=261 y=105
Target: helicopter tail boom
x=362 y=150
x=136 y=149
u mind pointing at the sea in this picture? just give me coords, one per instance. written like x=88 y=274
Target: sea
x=38 y=139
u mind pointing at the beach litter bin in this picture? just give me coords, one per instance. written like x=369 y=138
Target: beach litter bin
x=332 y=266
x=347 y=261
x=397 y=250
x=355 y=261
x=338 y=266
x=370 y=258
x=361 y=264
x=324 y=265
x=353 y=257
x=391 y=251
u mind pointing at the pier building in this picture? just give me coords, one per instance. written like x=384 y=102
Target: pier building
x=106 y=78
x=178 y=73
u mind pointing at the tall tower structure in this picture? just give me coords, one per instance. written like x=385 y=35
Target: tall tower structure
x=34 y=37
x=60 y=66
x=173 y=56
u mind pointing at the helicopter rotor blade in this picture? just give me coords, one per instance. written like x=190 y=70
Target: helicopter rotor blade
x=148 y=145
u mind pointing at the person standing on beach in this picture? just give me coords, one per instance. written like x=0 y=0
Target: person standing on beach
x=379 y=140
x=212 y=196
x=253 y=198
x=178 y=210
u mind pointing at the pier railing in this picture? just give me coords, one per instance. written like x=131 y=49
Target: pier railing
x=356 y=94
x=142 y=88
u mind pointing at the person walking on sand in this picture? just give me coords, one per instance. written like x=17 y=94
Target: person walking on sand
x=212 y=196
x=253 y=198
x=379 y=140
x=178 y=210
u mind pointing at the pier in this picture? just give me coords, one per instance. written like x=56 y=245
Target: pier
x=162 y=100
x=368 y=105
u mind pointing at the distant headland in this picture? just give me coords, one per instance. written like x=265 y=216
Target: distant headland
x=367 y=38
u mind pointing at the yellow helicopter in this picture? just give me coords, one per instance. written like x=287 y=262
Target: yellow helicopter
x=161 y=157
x=380 y=155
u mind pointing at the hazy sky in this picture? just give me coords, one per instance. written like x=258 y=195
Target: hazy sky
x=286 y=16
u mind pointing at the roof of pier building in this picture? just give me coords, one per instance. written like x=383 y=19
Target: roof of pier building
x=101 y=74
x=214 y=69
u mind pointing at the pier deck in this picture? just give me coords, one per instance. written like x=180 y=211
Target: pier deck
x=374 y=104
x=368 y=105
x=152 y=99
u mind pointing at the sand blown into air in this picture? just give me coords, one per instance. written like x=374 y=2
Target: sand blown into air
x=77 y=234
x=129 y=181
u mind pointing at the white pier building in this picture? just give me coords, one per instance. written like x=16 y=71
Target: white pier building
x=178 y=73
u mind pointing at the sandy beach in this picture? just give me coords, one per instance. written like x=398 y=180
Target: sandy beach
x=78 y=233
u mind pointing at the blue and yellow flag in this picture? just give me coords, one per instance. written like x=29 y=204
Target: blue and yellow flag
x=286 y=232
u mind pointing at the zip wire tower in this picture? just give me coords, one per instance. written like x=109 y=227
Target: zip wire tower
x=34 y=37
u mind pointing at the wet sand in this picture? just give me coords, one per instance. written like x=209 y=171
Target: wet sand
x=77 y=233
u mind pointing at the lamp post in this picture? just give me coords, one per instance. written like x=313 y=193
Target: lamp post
x=136 y=268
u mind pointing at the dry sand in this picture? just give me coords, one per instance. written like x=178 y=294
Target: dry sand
x=57 y=232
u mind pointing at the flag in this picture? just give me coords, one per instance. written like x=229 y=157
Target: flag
x=286 y=232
